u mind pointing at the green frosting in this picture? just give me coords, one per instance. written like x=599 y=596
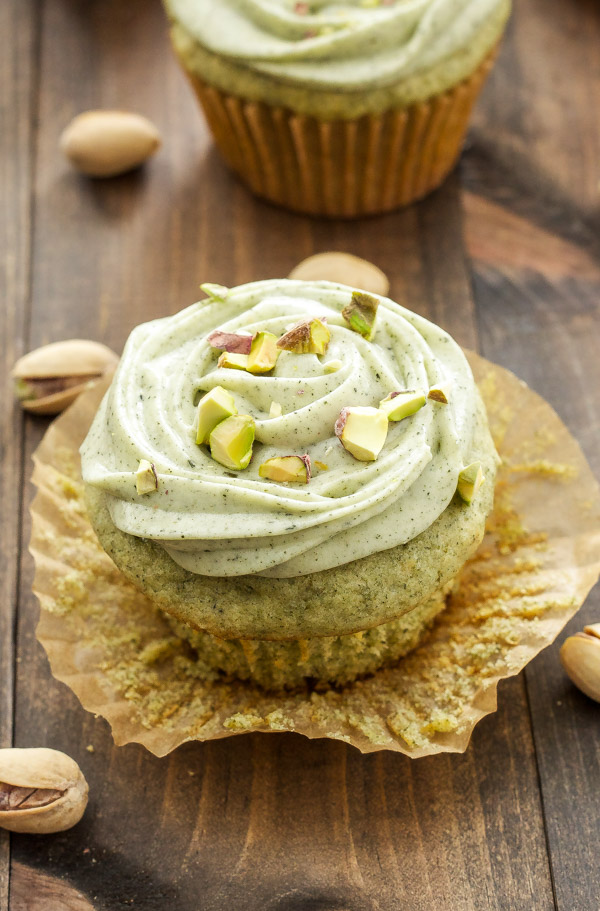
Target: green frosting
x=335 y=59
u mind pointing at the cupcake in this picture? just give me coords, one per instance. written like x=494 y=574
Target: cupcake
x=339 y=109
x=295 y=473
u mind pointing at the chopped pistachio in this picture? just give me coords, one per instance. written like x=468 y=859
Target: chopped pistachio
x=362 y=431
x=332 y=366
x=360 y=313
x=231 y=441
x=288 y=469
x=230 y=341
x=263 y=353
x=309 y=337
x=321 y=465
x=469 y=481
x=235 y=361
x=214 y=407
x=146 y=479
x=438 y=394
x=400 y=405
x=275 y=411
x=217 y=292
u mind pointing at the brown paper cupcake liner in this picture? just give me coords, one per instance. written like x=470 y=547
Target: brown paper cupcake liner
x=538 y=560
x=342 y=168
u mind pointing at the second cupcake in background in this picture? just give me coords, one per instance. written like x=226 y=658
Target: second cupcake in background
x=339 y=109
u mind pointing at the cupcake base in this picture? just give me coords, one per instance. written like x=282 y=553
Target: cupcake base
x=342 y=168
x=326 y=660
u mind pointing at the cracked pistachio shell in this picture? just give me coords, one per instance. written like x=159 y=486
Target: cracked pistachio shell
x=48 y=770
x=580 y=657
x=344 y=268
x=107 y=143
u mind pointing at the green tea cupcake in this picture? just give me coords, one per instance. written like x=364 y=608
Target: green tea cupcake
x=289 y=462
x=338 y=108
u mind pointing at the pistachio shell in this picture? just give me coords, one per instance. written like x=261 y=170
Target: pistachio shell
x=107 y=143
x=53 y=772
x=580 y=657
x=74 y=357
x=68 y=361
x=344 y=268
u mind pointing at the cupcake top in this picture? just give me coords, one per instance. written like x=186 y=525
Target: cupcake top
x=353 y=46
x=362 y=476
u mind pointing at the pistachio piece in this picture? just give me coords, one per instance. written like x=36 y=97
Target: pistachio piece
x=263 y=353
x=332 y=366
x=322 y=466
x=107 y=143
x=235 y=361
x=360 y=313
x=41 y=791
x=400 y=405
x=48 y=379
x=438 y=394
x=310 y=337
x=231 y=441
x=214 y=291
x=287 y=469
x=344 y=268
x=580 y=657
x=146 y=479
x=362 y=431
x=230 y=341
x=275 y=410
x=213 y=408
x=469 y=481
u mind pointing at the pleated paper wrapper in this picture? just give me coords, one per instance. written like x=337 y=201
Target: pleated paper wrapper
x=343 y=168
x=538 y=561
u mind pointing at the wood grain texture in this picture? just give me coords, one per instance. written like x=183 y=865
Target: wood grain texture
x=18 y=82
x=533 y=225
x=275 y=821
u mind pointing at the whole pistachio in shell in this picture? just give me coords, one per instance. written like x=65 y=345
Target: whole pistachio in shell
x=41 y=791
x=107 y=143
x=48 y=379
x=344 y=268
x=580 y=657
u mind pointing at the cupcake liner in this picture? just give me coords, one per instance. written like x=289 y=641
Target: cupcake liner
x=342 y=168
x=538 y=560
x=325 y=660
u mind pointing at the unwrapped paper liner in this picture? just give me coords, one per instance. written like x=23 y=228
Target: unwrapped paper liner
x=538 y=561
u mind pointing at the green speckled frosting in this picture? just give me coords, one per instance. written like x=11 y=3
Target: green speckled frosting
x=218 y=523
x=335 y=59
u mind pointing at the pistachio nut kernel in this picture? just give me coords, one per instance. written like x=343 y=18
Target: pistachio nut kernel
x=439 y=394
x=580 y=657
x=231 y=441
x=263 y=353
x=275 y=410
x=41 y=791
x=233 y=361
x=362 y=431
x=215 y=292
x=288 y=469
x=400 y=405
x=146 y=479
x=50 y=378
x=213 y=408
x=309 y=337
x=332 y=366
x=470 y=480
x=360 y=313
x=230 y=341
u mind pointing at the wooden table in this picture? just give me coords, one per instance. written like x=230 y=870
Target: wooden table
x=507 y=258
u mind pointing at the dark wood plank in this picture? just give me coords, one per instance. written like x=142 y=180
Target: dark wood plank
x=533 y=225
x=260 y=821
x=18 y=74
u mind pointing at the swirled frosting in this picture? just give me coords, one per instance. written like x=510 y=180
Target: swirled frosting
x=344 y=46
x=216 y=522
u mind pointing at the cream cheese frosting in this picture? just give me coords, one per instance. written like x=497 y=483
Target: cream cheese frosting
x=219 y=523
x=346 y=46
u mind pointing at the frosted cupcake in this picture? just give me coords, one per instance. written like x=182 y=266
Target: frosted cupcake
x=295 y=472
x=338 y=108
